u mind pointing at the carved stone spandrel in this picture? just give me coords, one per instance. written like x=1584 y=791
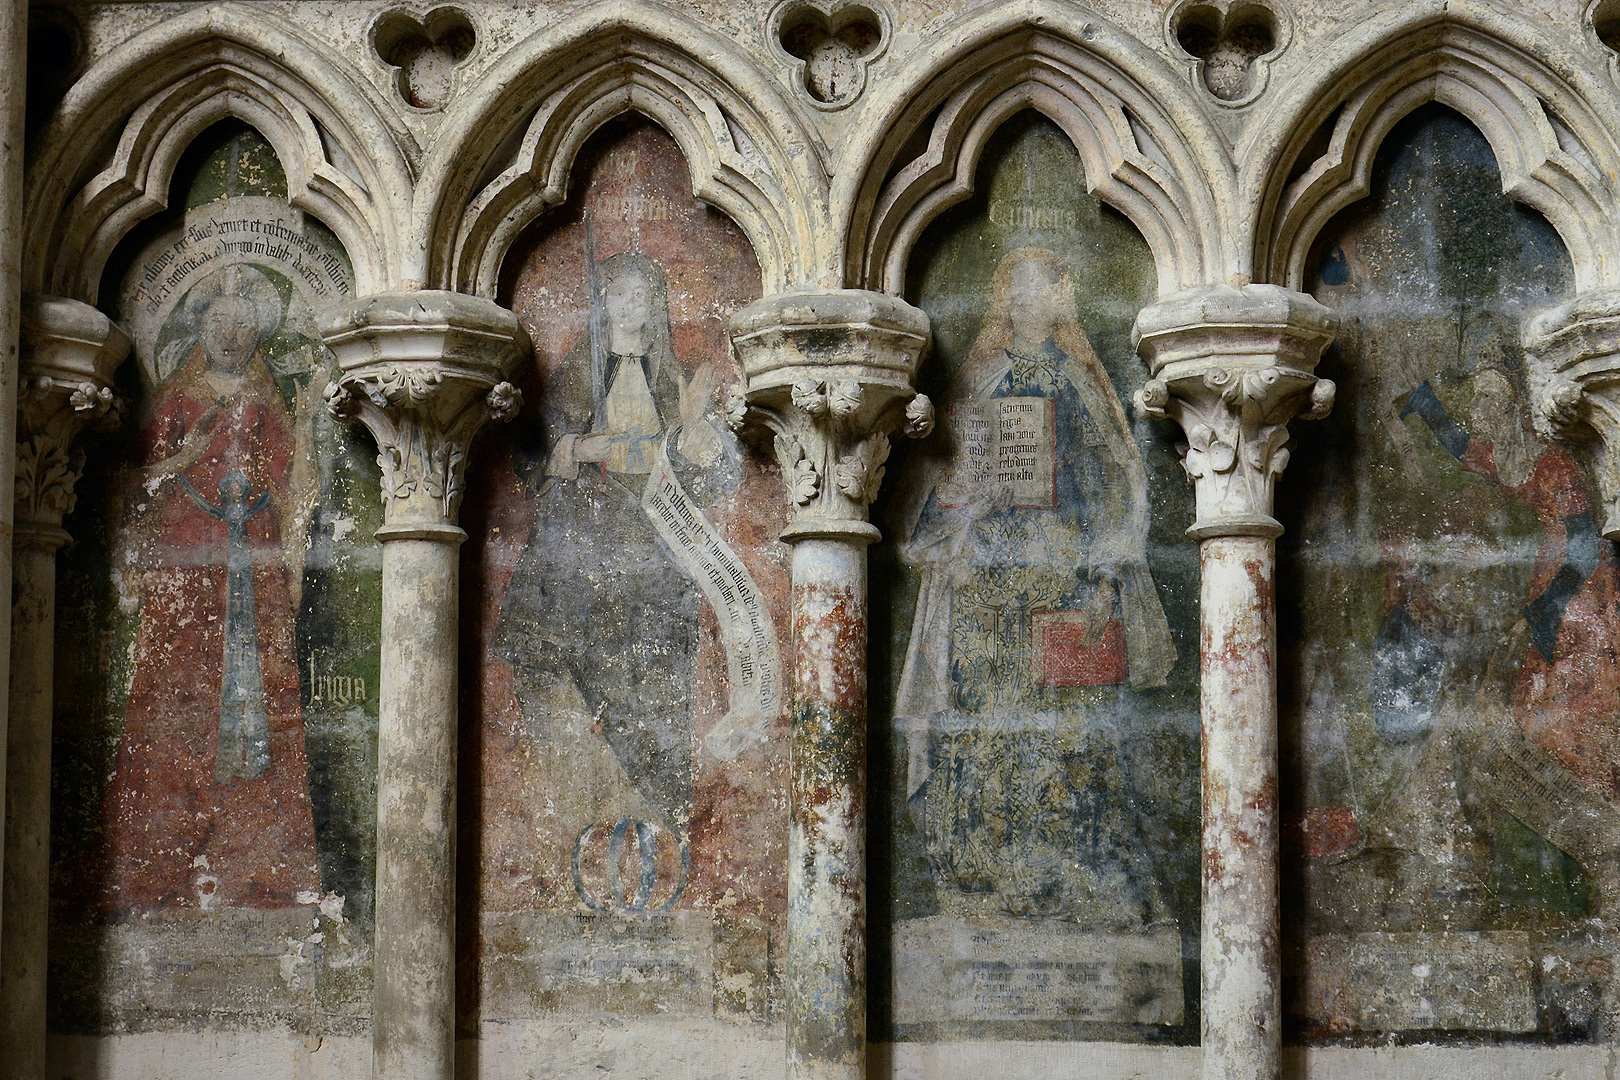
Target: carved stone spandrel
x=1573 y=362
x=1233 y=365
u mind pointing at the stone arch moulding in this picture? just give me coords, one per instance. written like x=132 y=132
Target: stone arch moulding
x=107 y=156
x=508 y=150
x=1549 y=121
x=1146 y=146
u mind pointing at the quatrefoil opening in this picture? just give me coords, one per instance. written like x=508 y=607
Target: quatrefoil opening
x=830 y=47
x=1604 y=17
x=425 y=51
x=1229 y=43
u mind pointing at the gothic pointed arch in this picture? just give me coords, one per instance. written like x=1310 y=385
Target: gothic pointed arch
x=1146 y=147
x=1541 y=105
x=505 y=154
x=106 y=158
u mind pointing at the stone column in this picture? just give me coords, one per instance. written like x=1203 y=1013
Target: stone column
x=70 y=351
x=423 y=371
x=13 y=94
x=1232 y=366
x=829 y=374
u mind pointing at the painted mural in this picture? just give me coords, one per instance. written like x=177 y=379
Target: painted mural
x=1032 y=672
x=226 y=567
x=1449 y=662
x=632 y=793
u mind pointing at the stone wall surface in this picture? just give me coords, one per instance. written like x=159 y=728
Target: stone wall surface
x=663 y=539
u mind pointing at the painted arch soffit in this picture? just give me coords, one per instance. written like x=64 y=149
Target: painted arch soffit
x=1146 y=145
x=1547 y=110
x=507 y=151
x=105 y=161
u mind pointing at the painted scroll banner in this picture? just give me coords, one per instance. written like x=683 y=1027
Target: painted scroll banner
x=753 y=661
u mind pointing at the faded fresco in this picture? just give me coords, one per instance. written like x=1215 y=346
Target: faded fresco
x=1448 y=665
x=225 y=584
x=1044 y=732
x=632 y=796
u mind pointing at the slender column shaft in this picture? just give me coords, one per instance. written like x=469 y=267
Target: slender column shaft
x=13 y=68
x=28 y=812
x=414 y=1008
x=1233 y=365
x=423 y=371
x=1242 y=1003
x=70 y=351
x=826 y=972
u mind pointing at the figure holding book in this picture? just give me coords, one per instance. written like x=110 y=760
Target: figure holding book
x=1036 y=612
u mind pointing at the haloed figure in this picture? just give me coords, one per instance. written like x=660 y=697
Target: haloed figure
x=1036 y=611
x=600 y=622
x=209 y=799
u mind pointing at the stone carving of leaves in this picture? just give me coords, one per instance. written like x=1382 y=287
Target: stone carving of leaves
x=919 y=417
x=861 y=473
x=799 y=472
x=340 y=401
x=736 y=409
x=844 y=398
x=1207 y=454
x=1322 y=397
x=1153 y=399
x=87 y=397
x=811 y=396
x=503 y=401
x=45 y=476
x=397 y=386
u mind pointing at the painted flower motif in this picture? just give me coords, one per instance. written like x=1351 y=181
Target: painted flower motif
x=736 y=408
x=919 y=417
x=811 y=396
x=844 y=398
x=504 y=400
x=798 y=471
x=861 y=473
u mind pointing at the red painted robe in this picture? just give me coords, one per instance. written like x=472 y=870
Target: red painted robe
x=1568 y=702
x=180 y=828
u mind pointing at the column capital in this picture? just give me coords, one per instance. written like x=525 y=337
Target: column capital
x=69 y=353
x=424 y=371
x=828 y=374
x=1573 y=361
x=1233 y=365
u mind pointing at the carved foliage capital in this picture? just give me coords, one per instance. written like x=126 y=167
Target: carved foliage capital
x=828 y=376
x=424 y=372
x=1573 y=363
x=70 y=351
x=1233 y=365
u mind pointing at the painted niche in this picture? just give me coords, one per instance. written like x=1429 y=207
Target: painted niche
x=215 y=803
x=632 y=800
x=1448 y=622
x=1034 y=637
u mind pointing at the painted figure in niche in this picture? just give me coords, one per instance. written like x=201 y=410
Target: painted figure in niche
x=1036 y=612
x=209 y=800
x=1569 y=679
x=600 y=620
